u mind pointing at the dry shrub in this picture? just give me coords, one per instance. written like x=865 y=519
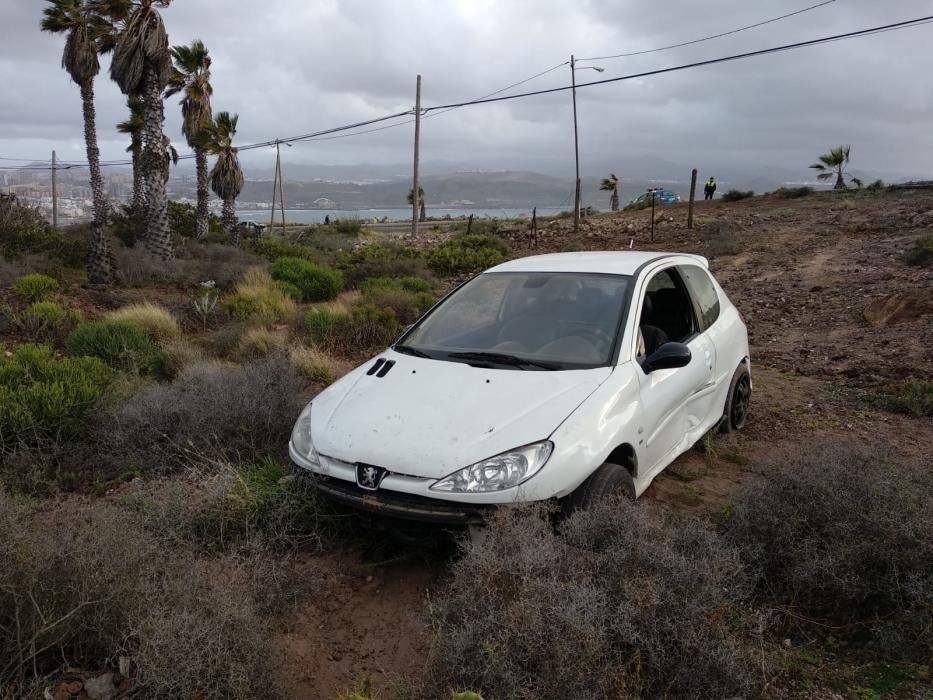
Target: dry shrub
x=845 y=535
x=210 y=408
x=196 y=263
x=180 y=353
x=317 y=366
x=157 y=322
x=82 y=583
x=623 y=601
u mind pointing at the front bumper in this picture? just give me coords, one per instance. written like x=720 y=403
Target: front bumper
x=397 y=504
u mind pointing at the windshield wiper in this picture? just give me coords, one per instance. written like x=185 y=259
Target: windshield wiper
x=502 y=359
x=409 y=350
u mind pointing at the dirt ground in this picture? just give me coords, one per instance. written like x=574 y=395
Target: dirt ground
x=803 y=273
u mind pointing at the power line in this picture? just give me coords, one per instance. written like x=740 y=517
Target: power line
x=713 y=61
x=440 y=109
x=711 y=37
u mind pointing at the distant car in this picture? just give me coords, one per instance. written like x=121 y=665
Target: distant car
x=567 y=376
x=662 y=198
x=252 y=229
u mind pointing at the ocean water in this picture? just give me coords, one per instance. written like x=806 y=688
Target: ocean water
x=316 y=216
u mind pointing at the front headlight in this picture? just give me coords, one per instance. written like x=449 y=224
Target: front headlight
x=301 y=437
x=500 y=472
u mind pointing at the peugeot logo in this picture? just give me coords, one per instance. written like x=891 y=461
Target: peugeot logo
x=369 y=477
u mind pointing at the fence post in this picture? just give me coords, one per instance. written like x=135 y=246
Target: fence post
x=693 y=192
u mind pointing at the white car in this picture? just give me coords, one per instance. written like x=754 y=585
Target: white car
x=565 y=376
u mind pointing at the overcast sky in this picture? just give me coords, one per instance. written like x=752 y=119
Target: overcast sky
x=294 y=66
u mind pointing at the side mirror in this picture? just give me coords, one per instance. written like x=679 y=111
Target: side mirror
x=668 y=356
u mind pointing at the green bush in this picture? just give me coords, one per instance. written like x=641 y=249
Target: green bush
x=49 y=320
x=120 y=344
x=736 y=195
x=43 y=399
x=467 y=254
x=183 y=220
x=292 y=290
x=127 y=225
x=793 y=192
x=315 y=283
x=876 y=186
x=24 y=230
x=406 y=306
x=363 y=327
x=36 y=287
x=921 y=254
x=274 y=247
x=409 y=284
x=381 y=260
x=258 y=298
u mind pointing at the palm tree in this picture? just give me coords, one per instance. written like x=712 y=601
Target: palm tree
x=226 y=176
x=84 y=29
x=134 y=127
x=192 y=74
x=142 y=66
x=832 y=165
x=411 y=193
x=611 y=184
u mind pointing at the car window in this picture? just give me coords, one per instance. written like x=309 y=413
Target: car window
x=703 y=292
x=569 y=320
x=667 y=311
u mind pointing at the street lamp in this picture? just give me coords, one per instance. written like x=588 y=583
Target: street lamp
x=576 y=140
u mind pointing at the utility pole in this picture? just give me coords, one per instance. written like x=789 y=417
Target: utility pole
x=693 y=192
x=275 y=183
x=576 y=148
x=654 y=194
x=278 y=165
x=414 y=186
x=54 y=195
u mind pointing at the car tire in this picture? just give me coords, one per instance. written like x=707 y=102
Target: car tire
x=610 y=479
x=735 y=413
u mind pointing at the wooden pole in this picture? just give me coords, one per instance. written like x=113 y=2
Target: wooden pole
x=534 y=226
x=275 y=183
x=469 y=225
x=54 y=194
x=693 y=193
x=576 y=149
x=653 y=196
x=414 y=187
x=278 y=161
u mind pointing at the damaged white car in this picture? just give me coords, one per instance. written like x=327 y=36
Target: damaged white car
x=566 y=376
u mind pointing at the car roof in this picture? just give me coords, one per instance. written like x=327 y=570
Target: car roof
x=616 y=262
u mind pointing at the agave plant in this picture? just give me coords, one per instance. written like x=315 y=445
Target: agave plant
x=192 y=76
x=611 y=184
x=422 y=216
x=226 y=176
x=832 y=165
x=142 y=66
x=84 y=30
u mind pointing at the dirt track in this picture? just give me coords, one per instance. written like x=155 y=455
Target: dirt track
x=803 y=272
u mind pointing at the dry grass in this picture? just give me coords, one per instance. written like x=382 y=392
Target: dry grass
x=155 y=320
x=259 y=342
x=258 y=299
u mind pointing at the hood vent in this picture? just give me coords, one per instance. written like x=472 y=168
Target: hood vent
x=380 y=367
x=384 y=370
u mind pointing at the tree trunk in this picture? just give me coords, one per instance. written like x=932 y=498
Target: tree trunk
x=202 y=224
x=139 y=192
x=158 y=235
x=840 y=182
x=423 y=216
x=614 y=201
x=99 y=258
x=230 y=221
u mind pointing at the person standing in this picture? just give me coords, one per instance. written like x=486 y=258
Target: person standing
x=710 y=189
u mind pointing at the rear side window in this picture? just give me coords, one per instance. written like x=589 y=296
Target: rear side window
x=703 y=292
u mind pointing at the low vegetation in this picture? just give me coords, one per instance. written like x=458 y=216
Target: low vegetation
x=912 y=396
x=793 y=192
x=120 y=344
x=154 y=320
x=36 y=287
x=258 y=299
x=840 y=536
x=921 y=255
x=309 y=281
x=736 y=195
x=467 y=253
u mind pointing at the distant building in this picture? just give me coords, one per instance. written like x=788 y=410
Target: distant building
x=324 y=203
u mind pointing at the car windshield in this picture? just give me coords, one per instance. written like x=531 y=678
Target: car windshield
x=525 y=320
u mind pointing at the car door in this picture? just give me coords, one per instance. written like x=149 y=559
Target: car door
x=706 y=408
x=668 y=414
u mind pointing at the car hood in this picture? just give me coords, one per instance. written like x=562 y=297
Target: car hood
x=428 y=418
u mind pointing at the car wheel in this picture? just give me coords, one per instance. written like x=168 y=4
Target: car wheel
x=737 y=401
x=608 y=480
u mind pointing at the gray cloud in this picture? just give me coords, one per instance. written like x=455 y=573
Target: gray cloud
x=291 y=66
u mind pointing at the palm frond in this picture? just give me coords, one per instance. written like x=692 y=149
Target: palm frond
x=818 y=166
x=826 y=176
